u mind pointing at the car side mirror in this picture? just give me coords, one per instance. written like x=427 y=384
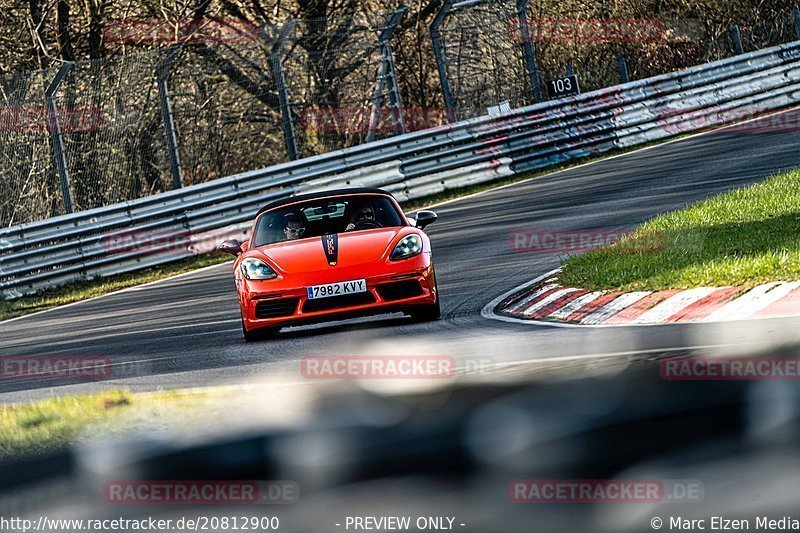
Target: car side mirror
x=425 y=218
x=231 y=246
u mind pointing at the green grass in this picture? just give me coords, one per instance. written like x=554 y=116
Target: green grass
x=744 y=237
x=82 y=290
x=55 y=423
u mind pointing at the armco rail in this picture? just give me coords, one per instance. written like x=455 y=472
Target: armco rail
x=180 y=223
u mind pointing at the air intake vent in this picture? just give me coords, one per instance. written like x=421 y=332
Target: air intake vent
x=276 y=308
x=400 y=290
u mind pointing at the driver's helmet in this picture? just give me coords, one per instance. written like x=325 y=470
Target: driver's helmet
x=294 y=228
x=364 y=213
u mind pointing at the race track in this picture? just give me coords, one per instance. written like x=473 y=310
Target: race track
x=185 y=332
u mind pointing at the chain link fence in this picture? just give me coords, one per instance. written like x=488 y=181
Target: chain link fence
x=29 y=186
x=232 y=97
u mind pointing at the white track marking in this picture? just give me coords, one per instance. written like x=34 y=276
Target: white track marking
x=753 y=301
x=673 y=304
x=576 y=304
x=548 y=300
x=613 y=307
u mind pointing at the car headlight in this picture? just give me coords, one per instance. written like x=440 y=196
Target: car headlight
x=409 y=246
x=253 y=268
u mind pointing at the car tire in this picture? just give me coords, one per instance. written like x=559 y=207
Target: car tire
x=259 y=334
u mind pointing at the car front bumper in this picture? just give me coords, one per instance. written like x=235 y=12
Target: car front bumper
x=282 y=302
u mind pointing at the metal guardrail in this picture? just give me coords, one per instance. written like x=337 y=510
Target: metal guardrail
x=174 y=225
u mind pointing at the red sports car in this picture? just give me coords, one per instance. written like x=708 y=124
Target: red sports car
x=333 y=255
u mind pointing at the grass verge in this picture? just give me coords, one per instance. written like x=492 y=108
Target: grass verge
x=55 y=423
x=744 y=237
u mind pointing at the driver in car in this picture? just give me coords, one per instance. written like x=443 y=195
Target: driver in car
x=294 y=228
x=363 y=218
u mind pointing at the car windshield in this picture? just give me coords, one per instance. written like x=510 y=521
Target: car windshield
x=314 y=218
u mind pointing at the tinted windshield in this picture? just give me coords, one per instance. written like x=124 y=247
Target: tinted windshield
x=314 y=218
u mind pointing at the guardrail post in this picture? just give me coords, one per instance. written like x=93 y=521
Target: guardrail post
x=529 y=50
x=441 y=64
x=386 y=71
x=173 y=151
x=736 y=37
x=59 y=153
x=796 y=15
x=280 y=84
x=622 y=65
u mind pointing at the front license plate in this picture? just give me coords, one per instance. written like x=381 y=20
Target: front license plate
x=337 y=289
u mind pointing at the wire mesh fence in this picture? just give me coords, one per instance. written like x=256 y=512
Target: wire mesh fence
x=29 y=187
x=116 y=151
x=222 y=98
x=482 y=46
x=224 y=104
x=341 y=81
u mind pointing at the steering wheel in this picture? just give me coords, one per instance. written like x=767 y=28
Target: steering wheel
x=366 y=224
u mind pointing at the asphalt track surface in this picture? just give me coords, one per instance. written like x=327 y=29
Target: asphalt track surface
x=185 y=332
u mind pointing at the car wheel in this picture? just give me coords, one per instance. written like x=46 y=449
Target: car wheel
x=259 y=334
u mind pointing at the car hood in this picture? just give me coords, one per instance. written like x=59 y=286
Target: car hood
x=354 y=248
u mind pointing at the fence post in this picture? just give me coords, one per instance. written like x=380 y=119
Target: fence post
x=622 y=65
x=736 y=37
x=386 y=71
x=529 y=50
x=394 y=89
x=441 y=65
x=280 y=84
x=173 y=150
x=796 y=15
x=570 y=69
x=59 y=153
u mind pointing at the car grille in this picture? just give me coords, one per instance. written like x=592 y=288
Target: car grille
x=334 y=302
x=276 y=308
x=400 y=290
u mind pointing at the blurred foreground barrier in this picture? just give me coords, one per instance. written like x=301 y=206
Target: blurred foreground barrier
x=177 y=224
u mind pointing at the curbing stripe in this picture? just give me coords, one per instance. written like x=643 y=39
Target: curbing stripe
x=753 y=301
x=558 y=304
x=592 y=306
x=786 y=306
x=549 y=303
x=672 y=305
x=627 y=316
x=576 y=304
x=525 y=301
x=550 y=298
x=614 y=307
x=705 y=306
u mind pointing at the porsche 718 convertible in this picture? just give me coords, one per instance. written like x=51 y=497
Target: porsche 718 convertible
x=333 y=255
